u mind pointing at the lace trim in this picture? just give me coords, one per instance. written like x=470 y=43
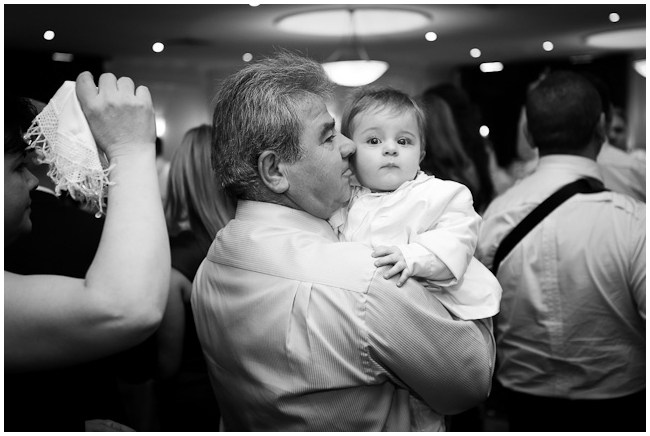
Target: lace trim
x=83 y=172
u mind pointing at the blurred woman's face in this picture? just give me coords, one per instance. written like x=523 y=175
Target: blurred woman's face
x=19 y=181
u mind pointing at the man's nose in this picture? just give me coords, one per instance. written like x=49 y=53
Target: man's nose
x=348 y=147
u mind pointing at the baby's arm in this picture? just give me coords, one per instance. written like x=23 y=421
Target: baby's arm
x=441 y=253
x=420 y=263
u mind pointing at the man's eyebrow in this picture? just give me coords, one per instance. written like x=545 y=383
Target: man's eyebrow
x=327 y=127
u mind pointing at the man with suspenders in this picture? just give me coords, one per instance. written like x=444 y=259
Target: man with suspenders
x=570 y=257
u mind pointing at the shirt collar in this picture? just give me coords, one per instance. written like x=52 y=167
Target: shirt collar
x=420 y=177
x=576 y=165
x=283 y=216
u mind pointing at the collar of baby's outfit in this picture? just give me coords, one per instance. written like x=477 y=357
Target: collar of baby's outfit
x=420 y=177
x=271 y=214
x=567 y=163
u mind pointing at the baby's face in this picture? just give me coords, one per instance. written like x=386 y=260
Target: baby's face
x=388 y=148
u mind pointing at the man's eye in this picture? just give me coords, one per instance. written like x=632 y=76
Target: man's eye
x=330 y=138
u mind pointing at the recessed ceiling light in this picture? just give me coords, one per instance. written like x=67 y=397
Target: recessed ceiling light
x=475 y=53
x=639 y=66
x=49 y=35
x=491 y=67
x=431 y=36
x=614 y=17
x=623 y=38
x=62 y=57
x=368 y=21
x=547 y=45
x=158 y=47
x=247 y=57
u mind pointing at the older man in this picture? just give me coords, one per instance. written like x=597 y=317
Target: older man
x=301 y=332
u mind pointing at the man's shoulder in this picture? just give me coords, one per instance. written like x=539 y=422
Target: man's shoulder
x=625 y=204
x=294 y=254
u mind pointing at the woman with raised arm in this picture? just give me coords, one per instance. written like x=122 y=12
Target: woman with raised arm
x=56 y=321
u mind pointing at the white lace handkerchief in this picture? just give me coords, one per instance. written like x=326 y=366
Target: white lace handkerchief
x=62 y=138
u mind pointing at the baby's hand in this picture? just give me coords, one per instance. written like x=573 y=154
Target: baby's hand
x=392 y=256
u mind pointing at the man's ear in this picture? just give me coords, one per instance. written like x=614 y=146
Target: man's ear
x=527 y=134
x=272 y=172
x=601 y=129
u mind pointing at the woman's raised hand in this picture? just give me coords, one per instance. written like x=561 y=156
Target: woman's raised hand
x=120 y=116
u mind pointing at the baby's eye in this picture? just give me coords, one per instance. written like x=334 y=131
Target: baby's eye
x=404 y=141
x=373 y=141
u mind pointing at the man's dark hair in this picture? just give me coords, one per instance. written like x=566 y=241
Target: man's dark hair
x=563 y=111
x=19 y=113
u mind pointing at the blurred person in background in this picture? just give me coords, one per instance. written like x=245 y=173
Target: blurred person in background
x=468 y=125
x=617 y=129
x=196 y=209
x=445 y=155
x=621 y=172
x=571 y=331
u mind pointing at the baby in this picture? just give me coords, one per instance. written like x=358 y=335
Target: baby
x=423 y=226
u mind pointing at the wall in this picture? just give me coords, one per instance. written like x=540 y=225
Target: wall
x=180 y=95
x=635 y=108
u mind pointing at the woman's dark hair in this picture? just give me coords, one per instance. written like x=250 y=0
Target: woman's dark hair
x=19 y=113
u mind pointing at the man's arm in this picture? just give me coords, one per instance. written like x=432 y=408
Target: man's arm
x=445 y=361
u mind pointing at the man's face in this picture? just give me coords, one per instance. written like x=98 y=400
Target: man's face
x=18 y=183
x=618 y=133
x=319 y=183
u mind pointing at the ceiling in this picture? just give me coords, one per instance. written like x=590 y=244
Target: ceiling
x=215 y=36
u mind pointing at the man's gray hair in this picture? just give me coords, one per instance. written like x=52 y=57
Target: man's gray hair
x=260 y=108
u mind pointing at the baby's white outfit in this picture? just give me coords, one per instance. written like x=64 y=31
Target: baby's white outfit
x=434 y=224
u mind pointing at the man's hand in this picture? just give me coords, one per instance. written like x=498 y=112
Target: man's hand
x=392 y=256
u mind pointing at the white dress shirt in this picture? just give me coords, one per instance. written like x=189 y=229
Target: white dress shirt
x=572 y=320
x=622 y=172
x=301 y=333
x=434 y=224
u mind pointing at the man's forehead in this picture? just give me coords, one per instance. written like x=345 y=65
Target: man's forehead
x=315 y=112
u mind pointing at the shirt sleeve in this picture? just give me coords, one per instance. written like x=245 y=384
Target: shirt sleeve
x=448 y=244
x=415 y=342
x=339 y=218
x=638 y=265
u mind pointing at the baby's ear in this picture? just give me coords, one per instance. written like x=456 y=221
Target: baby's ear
x=272 y=173
x=423 y=153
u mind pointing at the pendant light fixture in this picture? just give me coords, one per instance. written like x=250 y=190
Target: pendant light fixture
x=351 y=65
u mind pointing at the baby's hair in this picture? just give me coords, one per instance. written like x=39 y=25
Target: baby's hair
x=368 y=98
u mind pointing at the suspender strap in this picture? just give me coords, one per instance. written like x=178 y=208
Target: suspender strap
x=585 y=185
